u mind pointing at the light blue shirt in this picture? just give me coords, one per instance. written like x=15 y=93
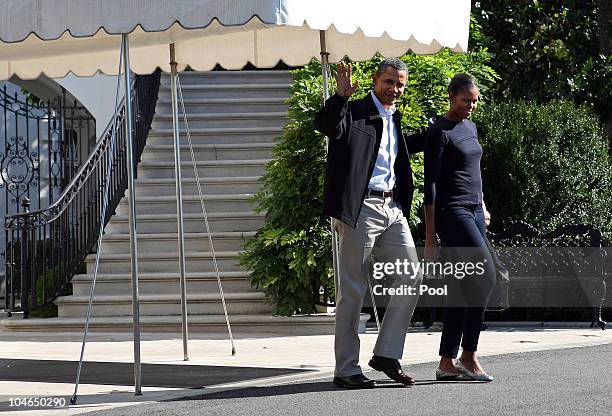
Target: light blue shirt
x=383 y=176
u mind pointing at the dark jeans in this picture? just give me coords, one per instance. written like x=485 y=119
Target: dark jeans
x=462 y=232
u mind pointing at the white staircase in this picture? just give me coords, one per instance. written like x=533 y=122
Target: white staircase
x=234 y=117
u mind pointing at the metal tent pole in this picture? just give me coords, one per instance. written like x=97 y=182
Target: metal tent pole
x=335 y=246
x=179 y=200
x=325 y=73
x=110 y=173
x=205 y=215
x=132 y=214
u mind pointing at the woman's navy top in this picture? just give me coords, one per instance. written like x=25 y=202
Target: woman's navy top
x=452 y=164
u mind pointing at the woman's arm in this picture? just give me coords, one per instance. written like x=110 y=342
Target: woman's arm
x=431 y=244
x=487 y=214
x=415 y=140
x=434 y=148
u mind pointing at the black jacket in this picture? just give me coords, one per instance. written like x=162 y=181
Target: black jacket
x=355 y=129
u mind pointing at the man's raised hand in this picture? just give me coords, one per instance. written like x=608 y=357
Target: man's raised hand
x=344 y=81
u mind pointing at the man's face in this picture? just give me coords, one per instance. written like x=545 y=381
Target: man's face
x=389 y=85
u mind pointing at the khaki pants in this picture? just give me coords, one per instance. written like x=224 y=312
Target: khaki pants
x=382 y=231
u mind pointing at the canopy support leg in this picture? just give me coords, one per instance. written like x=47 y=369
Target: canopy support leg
x=205 y=216
x=179 y=201
x=325 y=73
x=109 y=174
x=132 y=214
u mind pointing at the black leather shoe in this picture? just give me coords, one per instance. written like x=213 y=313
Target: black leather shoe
x=357 y=381
x=392 y=369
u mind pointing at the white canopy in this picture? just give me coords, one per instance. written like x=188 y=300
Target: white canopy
x=84 y=36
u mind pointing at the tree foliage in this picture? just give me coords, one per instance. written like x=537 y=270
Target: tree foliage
x=546 y=50
x=545 y=164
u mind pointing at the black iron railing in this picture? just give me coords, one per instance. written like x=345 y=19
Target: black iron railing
x=44 y=145
x=45 y=248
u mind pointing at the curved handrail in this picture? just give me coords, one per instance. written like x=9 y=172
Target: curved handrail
x=80 y=177
x=93 y=157
x=46 y=248
x=39 y=132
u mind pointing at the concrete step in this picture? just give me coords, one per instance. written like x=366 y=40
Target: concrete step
x=230 y=77
x=223 y=105
x=191 y=204
x=165 y=305
x=227 y=135
x=222 y=120
x=157 y=243
x=222 y=185
x=227 y=110
x=193 y=223
x=202 y=152
x=320 y=324
x=236 y=90
x=156 y=283
x=195 y=262
x=206 y=169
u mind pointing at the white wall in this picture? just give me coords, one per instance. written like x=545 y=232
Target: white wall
x=97 y=94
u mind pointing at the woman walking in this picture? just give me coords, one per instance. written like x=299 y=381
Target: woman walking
x=454 y=210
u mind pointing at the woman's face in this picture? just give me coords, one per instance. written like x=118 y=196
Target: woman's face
x=464 y=102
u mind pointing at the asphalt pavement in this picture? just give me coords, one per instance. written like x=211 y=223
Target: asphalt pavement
x=574 y=381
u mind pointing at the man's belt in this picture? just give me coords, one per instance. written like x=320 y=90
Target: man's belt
x=380 y=194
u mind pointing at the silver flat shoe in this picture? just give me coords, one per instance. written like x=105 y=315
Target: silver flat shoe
x=442 y=375
x=473 y=376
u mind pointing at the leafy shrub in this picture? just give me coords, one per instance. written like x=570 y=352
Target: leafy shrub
x=47 y=282
x=545 y=164
x=48 y=278
x=290 y=257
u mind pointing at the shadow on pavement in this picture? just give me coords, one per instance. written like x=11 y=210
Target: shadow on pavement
x=122 y=374
x=306 y=387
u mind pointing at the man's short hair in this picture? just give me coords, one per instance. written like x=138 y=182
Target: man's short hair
x=394 y=63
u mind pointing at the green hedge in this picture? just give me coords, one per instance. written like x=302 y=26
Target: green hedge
x=290 y=257
x=545 y=164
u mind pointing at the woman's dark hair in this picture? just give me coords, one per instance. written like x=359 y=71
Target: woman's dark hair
x=462 y=82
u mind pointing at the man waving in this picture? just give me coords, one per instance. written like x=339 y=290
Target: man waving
x=368 y=191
